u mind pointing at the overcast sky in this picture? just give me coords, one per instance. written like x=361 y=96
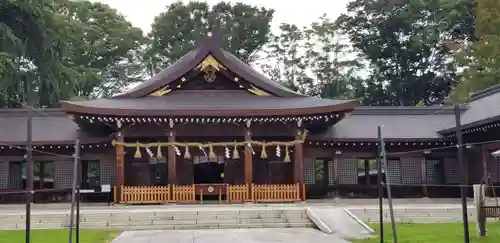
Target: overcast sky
x=142 y=12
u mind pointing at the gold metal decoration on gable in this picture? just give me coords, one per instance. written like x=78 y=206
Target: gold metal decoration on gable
x=161 y=92
x=210 y=66
x=210 y=74
x=256 y=91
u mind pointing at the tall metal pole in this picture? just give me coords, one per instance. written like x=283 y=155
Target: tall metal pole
x=73 y=187
x=380 y=185
x=29 y=171
x=389 y=194
x=78 y=185
x=461 y=162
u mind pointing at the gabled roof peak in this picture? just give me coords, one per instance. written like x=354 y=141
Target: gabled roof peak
x=213 y=39
x=210 y=45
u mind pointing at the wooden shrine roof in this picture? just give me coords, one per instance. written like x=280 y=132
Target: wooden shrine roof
x=482 y=108
x=399 y=123
x=251 y=93
x=53 y=126
x=50 y=126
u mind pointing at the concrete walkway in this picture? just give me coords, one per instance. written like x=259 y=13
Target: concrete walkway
x=229 y=236
x=339 y=221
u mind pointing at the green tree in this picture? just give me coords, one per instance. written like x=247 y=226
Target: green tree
x=404 y=41
x=100 y=46
x=334 y=66
x=175 y=31
x=313 y=60
x=26 y=57
x=482 y=58
x=62 y=49
x=286 y=61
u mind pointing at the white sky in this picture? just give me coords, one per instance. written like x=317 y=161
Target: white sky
x=142 y=12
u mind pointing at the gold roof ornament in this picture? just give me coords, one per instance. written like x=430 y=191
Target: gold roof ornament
x=256 y=91
x=208 y=62
x=210 y=66
x=161 y=92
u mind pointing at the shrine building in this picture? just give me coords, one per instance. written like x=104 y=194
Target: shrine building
x=210 y=127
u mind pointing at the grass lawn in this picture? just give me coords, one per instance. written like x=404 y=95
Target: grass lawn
x=56 y=236
x=435 y=233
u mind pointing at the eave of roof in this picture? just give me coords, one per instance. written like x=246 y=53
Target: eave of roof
x=399 y=124
x=210 y=103
x=482 y=109
x=50 y=127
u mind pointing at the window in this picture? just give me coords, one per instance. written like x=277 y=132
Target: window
x=319 y=171
x=43 y=175
x=315 y=171
x=91 y=174
x=435 y=171
x=367 y=171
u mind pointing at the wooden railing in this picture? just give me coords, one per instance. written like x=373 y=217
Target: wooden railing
x=492 y=211
x=276 y=193
x=183 y=193
x=238 y=193
x=144 y=194
x=187 y=193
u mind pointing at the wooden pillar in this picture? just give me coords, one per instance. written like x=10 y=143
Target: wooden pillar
x=326 y=173
x=120 y=165
x=171 y=160
x=336 y=180
x=41 y=175
x=298 y=161
x=248 y=163
x=248 y=159
x=486 y=174
x=479 y=200
x=423 y=170
x=366 y=162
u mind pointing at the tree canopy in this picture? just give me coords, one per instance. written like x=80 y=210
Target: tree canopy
x=481 y=59
x=60 y=49
x=383 y=52
x=404 y=42
x=175 y=31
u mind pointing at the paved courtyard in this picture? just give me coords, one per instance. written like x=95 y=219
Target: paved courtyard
x=229 y=236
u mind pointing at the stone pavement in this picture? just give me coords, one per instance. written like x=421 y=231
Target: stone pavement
x=345 y=203
x=339 y=221
x=229 y=236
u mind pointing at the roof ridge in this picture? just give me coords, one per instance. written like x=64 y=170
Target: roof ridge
x=403 y=110
x=38 y=112
x=485 y=92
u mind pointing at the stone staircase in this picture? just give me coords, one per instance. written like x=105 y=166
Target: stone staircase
x=174 y=219
x=415 y=215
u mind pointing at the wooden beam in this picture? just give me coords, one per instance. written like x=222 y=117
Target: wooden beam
x=171 y=160
x=120 y=161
